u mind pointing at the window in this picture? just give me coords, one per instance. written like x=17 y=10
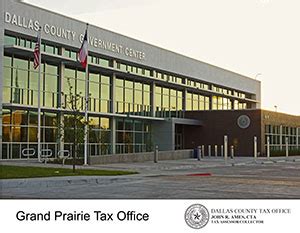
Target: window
x=168 y=102
x=278 y=138
x=133 y=136
x=21 y=83
x=132 y=97
x=10 y=40
x=99 y=136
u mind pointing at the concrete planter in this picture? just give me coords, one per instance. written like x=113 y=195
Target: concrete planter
x=141 y=157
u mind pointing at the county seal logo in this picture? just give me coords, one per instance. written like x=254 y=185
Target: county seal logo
x=196 y=216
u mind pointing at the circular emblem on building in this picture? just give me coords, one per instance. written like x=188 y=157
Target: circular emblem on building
x=196 y=216
x=243 y=121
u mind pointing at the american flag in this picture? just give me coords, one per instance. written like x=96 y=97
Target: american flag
x=36 y=54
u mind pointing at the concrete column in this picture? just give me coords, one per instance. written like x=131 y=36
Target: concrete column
x=173 y=135
x=297 y=137
x=209 y=150
x=163 y=135
x=199 y=153
x=268 y=147
x=60 y=98
x=216 y=150
x=61 y=102
x=280 y=137
x=114 y=64
x=222 y=150
x=255 y=148
x=112 y=104
x=203 y=151
x=113 y=110
x=1 y=68
x=113 y=126
x=152 y=99
x=184 y=93
x=154 y=73
x=210 y=103
x=156 y=154
x=225 y=147
x=61 y=131
x=232 y=103
x=232 y=152
x=286 y=146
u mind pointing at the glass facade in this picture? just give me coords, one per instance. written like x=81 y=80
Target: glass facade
x=134 y=69
x=133 y=136
x=99 y=93
x=99 y=136
x=20 y=132
x=168 y=102
x=99 y=90
x=197 y=85
x=221 y=103
x=196 y=102
x=20 y=83
x=30 y=44
x=132 y=97
x=124 y=98
x=278 y=134
x=229 y=102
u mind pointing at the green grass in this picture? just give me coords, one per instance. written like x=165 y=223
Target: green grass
x=14 y=172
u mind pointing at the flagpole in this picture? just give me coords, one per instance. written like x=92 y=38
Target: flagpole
x=39 y=95
x=86 y=107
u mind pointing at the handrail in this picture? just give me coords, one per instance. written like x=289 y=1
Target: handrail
x=46 y=154
x=28 y=152
x=61 y=155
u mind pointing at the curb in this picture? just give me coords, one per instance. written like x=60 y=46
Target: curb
x=47 y=183
x=279 y=161
x=268 y=162
x=238 y=164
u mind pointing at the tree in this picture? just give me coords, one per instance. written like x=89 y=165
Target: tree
x=99 y=136
x=72 y=127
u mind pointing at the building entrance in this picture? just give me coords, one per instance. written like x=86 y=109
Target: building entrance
x=178 y=137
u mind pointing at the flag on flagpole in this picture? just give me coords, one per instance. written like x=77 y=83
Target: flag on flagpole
x=37 y=64
x=83 y=52
x=82 y=57
x=36 y=53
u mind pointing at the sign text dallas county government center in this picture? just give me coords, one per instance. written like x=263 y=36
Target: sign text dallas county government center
x=71 y=35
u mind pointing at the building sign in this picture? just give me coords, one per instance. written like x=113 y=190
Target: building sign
x=243 y=121
x=70 y=35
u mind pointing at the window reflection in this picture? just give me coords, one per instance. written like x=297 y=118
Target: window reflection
x=132 y=97
x=133 y=136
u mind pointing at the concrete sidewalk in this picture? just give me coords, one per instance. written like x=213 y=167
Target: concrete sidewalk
x=240 y=178
x=162 y=164
x=149 y=167
x=145 y=169
x=163 y=167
